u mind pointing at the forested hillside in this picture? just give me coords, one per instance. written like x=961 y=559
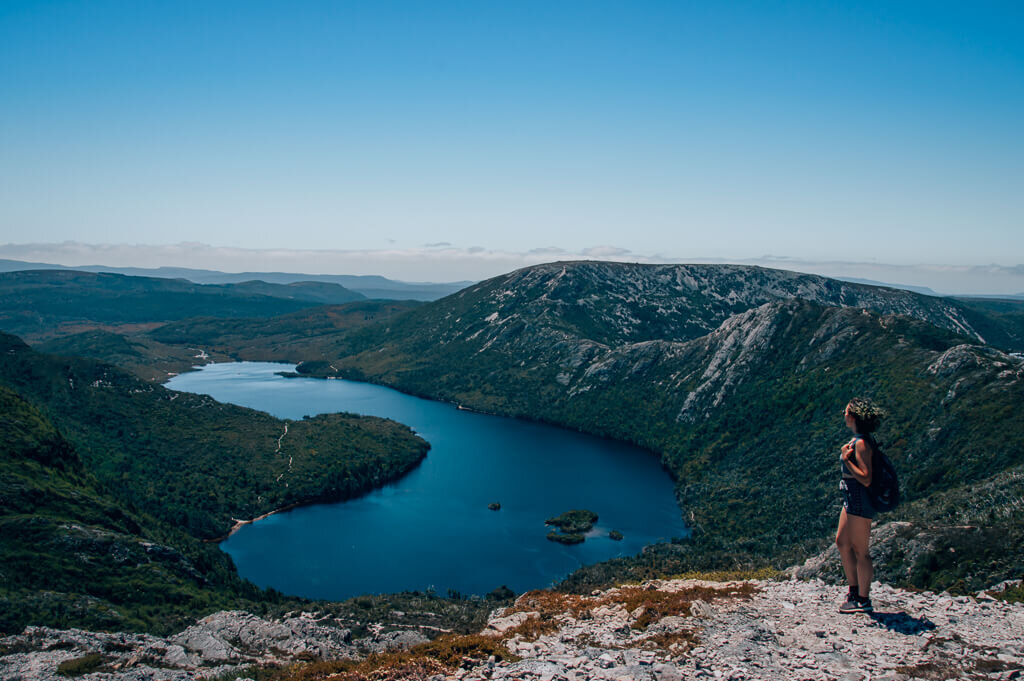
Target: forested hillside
x=110 y=485
x=75 y=553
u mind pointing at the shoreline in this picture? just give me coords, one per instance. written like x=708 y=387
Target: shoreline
x=239 y=524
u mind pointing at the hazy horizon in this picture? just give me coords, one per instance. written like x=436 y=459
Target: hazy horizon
x=444 y=263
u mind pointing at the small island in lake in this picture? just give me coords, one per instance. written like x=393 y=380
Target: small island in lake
x=573 y=538
x=615 y=535
x=573 y=525
x=495 y=506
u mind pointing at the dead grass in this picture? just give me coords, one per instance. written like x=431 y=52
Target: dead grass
x=443 y=655
x=658 y=604
x=533 y=628
x=552 y=603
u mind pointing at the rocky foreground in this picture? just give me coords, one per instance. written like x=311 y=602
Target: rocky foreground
x=660 y=630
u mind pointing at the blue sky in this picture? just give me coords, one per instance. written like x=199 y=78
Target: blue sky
x=887 y=132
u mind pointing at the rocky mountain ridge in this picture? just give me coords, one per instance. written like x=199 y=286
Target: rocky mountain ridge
x=615 y=303
x=658 y=630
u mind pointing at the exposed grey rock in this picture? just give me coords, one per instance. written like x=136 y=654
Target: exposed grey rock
x=499 y=625
x=786 y=630
x=699 y=608
x=212 y=646
x=393 y=640
x=235 y=635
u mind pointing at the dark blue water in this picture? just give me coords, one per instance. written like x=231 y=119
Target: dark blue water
x=432 y=528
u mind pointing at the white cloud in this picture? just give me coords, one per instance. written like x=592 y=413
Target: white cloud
x=605 y=252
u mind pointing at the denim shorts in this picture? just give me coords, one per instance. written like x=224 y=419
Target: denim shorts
x=856 y=499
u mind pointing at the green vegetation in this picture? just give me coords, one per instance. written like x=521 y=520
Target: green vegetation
x=74 y=554
x=198 y=463
x=999 y=320
x=108 y=484
x=577 y=520
x=564 y=538
x=175 y=347
x=310 y=335
x=146 y=358
x=615 y=535
x=495 y=506
x=572 y=526
x=1012 y=595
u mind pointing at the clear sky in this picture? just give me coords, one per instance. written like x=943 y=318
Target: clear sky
x=885 y=132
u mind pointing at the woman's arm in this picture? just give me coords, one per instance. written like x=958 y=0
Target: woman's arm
x=858 y=460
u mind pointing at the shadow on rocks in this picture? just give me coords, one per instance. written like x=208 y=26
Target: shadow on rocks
x=902 y=623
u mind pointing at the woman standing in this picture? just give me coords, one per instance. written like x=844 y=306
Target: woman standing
x=854 y=534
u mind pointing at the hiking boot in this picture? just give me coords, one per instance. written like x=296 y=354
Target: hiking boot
x=856 y=605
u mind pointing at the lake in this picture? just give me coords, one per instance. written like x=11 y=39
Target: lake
x=432 y=529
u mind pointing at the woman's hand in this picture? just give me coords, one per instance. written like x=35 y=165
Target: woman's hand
x=856 y=456
x=846 y=451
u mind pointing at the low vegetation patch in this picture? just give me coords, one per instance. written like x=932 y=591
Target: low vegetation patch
x=443 y=655
x=730 y=575
x=1014 y=594
x=82 y=665
x=573 y=538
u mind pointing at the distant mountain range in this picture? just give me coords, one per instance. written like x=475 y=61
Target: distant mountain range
x=45 y=301
x=367 y=286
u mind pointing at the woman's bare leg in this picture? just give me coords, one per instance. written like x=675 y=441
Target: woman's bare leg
x=860 y=535
x=844 y=542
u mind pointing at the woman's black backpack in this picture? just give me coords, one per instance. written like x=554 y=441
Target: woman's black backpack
x=885 y=485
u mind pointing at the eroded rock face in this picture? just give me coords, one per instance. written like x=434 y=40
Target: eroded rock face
x=235 y=635
x=617 y=304
x=216 y=644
